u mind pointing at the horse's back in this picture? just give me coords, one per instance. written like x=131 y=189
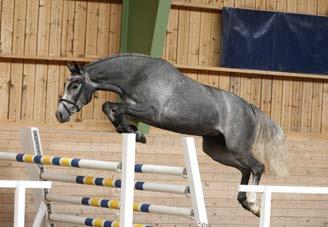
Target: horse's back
x=186 y=106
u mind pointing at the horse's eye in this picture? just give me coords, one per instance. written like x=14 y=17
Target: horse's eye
x=75 y=87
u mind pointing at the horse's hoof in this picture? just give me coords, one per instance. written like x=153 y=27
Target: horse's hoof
x=255 y=209
x=141 y=138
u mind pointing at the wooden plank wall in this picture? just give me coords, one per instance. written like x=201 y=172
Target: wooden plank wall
x=29 y=89
x=193 y=38
x=309 y=168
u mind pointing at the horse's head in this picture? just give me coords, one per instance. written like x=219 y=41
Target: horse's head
x=78 y=92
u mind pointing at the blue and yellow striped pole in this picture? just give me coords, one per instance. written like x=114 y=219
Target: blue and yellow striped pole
x=87 y=221
x=116 y=183
x=115 y=204
x=90 y=164
x=60 y=161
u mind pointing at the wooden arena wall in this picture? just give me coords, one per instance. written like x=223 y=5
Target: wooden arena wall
x=48 y=29
x=39 y=36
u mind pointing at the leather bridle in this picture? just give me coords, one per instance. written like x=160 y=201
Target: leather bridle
x=63 y=101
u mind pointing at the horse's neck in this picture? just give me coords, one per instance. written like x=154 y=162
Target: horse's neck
x=105 y=71
x=116 y=70
x=113 y=74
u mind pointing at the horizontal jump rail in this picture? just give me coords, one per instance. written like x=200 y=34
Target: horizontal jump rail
x=89 y=164
x=160 y=169
x=60 y=161
x=87 y=221
x=115 y=204
x=283 y=189
x=24 y=184
x=116 y=183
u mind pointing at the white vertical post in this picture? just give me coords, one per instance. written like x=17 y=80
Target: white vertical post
x=265 y=208
x=31 y=143
x=19 y=213
x=195 y=184
x=127 y=188
x=39 y=217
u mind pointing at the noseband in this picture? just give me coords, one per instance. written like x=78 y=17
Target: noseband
x=69 y=102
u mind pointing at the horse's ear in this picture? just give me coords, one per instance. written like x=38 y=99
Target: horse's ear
x=73 y=68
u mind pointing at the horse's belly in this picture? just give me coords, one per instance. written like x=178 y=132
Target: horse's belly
x=196 y=120
x=194 y=129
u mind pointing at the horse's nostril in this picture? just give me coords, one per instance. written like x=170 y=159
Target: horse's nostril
x=59 y=115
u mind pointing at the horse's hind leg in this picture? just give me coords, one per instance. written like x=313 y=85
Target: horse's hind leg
x=257 y=169
x=115 y=114
x=242 y=197
x=216 y=148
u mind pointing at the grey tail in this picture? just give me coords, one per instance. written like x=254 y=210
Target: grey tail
x=270 y=146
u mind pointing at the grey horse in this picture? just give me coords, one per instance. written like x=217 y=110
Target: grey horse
x=235 y=132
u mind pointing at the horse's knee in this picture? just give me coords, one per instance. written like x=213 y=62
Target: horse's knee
x=106 y=107
x=112 y=107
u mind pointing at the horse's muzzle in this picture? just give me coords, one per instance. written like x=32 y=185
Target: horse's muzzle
x=62 y=114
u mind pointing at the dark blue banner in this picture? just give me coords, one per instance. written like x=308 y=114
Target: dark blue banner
x=253 y=39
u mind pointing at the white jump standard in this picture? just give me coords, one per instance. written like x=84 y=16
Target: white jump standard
x=21 y=186
x=31 y=142
x=267 y=196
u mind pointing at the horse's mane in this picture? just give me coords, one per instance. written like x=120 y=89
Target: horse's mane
x=130 y=54
x=117 y=56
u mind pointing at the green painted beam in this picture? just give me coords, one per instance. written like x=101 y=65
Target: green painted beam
x=144 y=24
x=124 y=26
x=162 y=18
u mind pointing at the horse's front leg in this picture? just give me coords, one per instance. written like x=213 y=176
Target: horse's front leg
x=116 y=115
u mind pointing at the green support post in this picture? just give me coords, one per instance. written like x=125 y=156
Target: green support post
x=144 y=24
